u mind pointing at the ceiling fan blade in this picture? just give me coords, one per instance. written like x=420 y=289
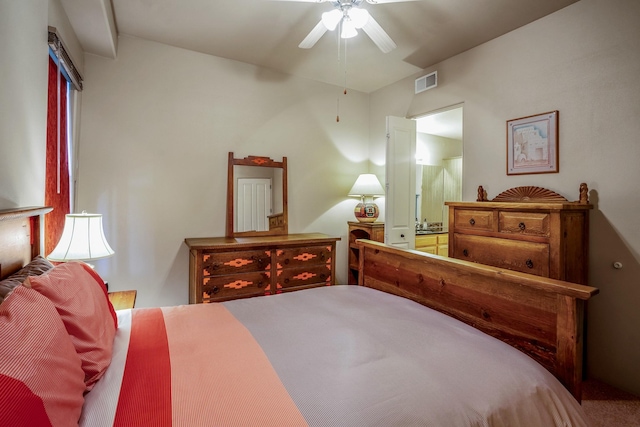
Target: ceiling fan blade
x=374 y=1
x=379 y=36
x=313 y=37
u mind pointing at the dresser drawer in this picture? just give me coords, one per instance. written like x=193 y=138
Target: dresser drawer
x=474 y=219
x=318 y=274
x=299 y=257
x=526 y=257
x=221 y=263
x=527 y=223
x=220 y=288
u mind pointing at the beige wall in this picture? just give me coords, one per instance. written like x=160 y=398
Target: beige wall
x=583 y=61
x=23 y=95
x=23 y=102
x=157 y=124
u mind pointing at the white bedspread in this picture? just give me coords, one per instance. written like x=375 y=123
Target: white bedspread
x=353 y=356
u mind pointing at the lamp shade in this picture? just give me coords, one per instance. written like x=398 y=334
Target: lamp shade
x=348 y=29
x=359 y=17
x=367 y=184
x=331 y=19
x=82 y=239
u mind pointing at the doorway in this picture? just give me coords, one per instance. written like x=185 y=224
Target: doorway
x=439 y=142
x=254 y=204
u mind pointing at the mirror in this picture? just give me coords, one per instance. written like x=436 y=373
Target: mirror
x=438 y=167
x=256 y=197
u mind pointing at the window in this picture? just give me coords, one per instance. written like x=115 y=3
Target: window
x=63 y=81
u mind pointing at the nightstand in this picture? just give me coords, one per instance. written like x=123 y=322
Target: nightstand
x=361 y=230
x=123 y=299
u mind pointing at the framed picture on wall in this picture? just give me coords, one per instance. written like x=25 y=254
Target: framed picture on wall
x=532 y=144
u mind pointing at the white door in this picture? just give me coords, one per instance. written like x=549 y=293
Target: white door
x=400 y=185
x=254 y=204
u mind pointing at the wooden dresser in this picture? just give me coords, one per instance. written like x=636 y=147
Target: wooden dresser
x=527 y=229
x=361 y=230
x=226 y=268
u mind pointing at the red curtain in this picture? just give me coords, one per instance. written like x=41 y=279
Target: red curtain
x=57 y=169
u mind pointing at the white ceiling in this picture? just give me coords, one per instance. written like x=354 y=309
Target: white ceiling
x=267 y=32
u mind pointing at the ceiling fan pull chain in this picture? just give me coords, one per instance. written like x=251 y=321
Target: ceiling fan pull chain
x=345 y=66
x=338 y=111
x=339 y=44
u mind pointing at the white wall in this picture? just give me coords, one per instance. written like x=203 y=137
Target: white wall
x=23 y=102
x=432 y=149
x=23 y=96
x=583 y=61
x=157 y=125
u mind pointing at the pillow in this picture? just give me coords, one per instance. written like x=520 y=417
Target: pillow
x=36 y=267
x=81 y=299
x=41 y=377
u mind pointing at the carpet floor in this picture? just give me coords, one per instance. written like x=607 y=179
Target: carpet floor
x=606 y=406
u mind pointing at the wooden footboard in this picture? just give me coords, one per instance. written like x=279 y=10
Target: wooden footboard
x=542 y=317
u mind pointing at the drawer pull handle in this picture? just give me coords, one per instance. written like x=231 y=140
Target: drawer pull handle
x=521 y=226
x=215 y=290
x=402 y=235
x=529 y=263
x=465 y=252
x=472 y=221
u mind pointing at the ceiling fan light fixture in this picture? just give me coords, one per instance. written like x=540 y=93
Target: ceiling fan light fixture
x=331 y=19
x=359 y=17
x=348 y=29
x=351 y=18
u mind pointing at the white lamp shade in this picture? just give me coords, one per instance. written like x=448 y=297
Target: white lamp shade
x=367 y=184
x=348 y=29
x=359 y=17
x=331 y=19
x=82 y=239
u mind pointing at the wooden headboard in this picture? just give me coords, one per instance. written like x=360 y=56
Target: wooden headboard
x=19 y=237
x=542 y=317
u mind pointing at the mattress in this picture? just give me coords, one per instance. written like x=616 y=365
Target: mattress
x=330 y=356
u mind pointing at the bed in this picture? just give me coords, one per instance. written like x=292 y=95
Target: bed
x=381 y=353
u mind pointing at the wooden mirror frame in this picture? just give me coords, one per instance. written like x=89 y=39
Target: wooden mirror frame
x=283 y=227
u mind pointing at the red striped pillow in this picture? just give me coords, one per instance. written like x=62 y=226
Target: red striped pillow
x=80 y=297
x=41 y=378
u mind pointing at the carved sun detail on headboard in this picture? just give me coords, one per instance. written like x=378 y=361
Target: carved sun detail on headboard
x=529 y=194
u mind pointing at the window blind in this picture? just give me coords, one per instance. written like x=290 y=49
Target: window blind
x=69 y=71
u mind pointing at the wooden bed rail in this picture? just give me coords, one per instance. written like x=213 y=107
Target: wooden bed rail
x=542 y=317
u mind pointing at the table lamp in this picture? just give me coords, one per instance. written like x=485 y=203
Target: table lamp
x=366 y=187
x=82 y=239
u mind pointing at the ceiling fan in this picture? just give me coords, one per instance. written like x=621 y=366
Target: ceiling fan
x=348 y=15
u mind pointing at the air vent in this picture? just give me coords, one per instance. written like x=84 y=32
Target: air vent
x=427 y=82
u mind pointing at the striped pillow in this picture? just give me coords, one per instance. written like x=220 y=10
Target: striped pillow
x=80 y=297
x=41 y=377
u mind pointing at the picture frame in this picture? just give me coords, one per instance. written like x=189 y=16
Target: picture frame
x=532 y=144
